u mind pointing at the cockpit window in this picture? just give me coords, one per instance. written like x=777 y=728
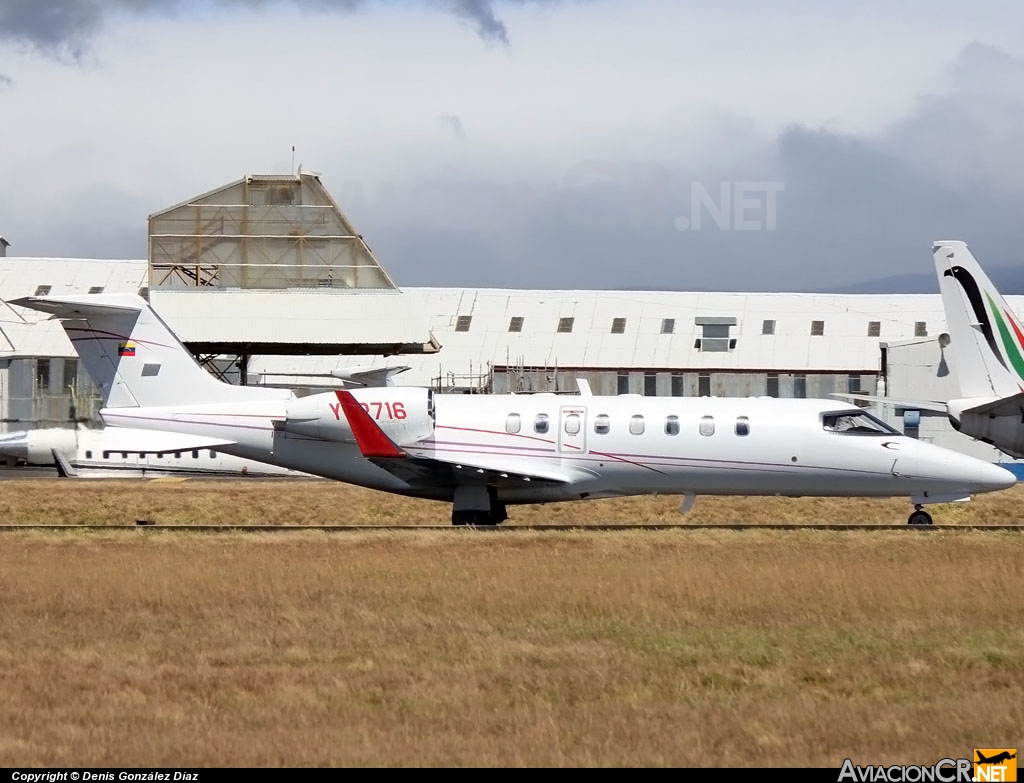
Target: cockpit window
x=856 y=422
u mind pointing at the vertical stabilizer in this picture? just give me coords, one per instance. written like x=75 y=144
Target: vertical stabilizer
x=986 y=337
x=133 y=357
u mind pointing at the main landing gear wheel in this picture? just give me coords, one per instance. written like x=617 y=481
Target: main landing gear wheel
x=919 y=517
x=476 y=518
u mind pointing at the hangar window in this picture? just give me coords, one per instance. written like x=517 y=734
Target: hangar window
x=677 y=384
x=565 y=324
x=144 y=292
x=572 y=424
x=874 y=328
x=768 y=326
x=714 y=334
x=636 y=425
x=853 y=384
x=672 y=425
x=704 y=384
x=602 y=424
x=650 y=384
x=773 y=385
x=800 y=386
x=707 y=425
x=516 y=324
x=668 y=325
x=42 y=374
x=622 y=382
x=920 y=329
x=462 y=323
x=513 y=423
x=618 y=325
x=742 y=425
x=817 y=328
x=96 y=289
x=540 y=424
x=42 y=290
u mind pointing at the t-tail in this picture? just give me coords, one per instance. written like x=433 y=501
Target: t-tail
x=986 y=337
x=133 y=357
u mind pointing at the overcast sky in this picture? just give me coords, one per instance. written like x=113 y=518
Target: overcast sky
x=533 y=144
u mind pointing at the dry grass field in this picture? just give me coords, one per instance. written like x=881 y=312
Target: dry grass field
x=320 y=501
x=454 y=648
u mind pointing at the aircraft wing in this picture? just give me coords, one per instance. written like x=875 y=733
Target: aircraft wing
x=921 y=405
x=1005 y=406
x=415 y=469
x=152 y=442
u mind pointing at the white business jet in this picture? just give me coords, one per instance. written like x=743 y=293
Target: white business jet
x=485 y=452
x=985 y=343
x=117 y=452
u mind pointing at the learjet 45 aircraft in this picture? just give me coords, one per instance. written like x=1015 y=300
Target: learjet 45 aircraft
x=485 y=452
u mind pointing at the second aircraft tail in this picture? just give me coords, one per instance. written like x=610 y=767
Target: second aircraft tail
x=986 y=338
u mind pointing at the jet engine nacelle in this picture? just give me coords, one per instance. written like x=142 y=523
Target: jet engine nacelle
x=36 y=446
x=404 y=413
x=1006 y=433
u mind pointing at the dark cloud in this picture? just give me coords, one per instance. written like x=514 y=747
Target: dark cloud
x=64 y=28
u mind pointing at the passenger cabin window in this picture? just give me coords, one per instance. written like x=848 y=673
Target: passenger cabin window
x=602 y=424
x=572 y=424
x=106 y=455
x=540 y=424
x=856 y=422
x=707 y=425
x=636 y=425
x=513 y=423
x=742 y=425
x=195 y=454
x=515 y=324
x=672 y=425
x=88 y=453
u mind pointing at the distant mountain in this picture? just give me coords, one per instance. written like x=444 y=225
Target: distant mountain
x=1008 y=279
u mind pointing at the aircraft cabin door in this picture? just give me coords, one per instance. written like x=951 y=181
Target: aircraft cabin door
x=572 y=430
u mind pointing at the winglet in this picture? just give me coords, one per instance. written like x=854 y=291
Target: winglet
x=369 y=436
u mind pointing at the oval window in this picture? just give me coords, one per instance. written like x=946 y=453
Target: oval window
x=602 y=424
x=742 y=425
x=636 y=425
x=672 y=425
x=513 y=423
x=707 y=425
x=540 y=424
x=572 y=424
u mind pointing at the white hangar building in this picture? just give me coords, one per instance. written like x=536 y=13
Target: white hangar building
x=267 y=282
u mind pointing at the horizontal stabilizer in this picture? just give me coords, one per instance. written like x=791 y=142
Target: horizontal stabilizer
x=1007 y=406
x=79 y=306
x=920 y=405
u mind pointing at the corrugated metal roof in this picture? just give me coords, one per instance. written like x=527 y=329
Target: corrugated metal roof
x=331 y=316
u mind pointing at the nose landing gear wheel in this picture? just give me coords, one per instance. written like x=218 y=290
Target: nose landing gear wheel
x=919 y=516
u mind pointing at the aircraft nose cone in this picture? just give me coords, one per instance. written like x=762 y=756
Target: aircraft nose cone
x=993 y=478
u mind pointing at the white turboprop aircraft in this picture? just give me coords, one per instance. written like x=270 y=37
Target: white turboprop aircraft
x=986 y=345
x=484 y=452
x=118 y=452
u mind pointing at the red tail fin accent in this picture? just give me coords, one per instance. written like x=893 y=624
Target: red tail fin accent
x=369 y=436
